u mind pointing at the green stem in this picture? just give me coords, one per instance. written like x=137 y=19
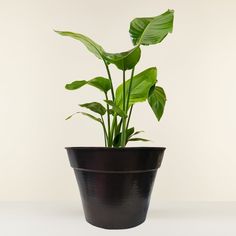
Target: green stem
x=108 y=123
x=130 y=111
x=113 y=126
x=123 y=139
x=105 y=131
x=129 y=92
x=109 y=76
x=110 y=138
x=130 y=87
x=116 y=128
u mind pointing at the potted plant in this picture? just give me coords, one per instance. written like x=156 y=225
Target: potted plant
x=116 y=181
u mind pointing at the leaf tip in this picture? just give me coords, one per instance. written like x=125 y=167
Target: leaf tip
x=67 y=118
x=67 y=86
x=57 y=31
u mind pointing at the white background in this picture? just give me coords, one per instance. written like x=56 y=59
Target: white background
x=196 y=66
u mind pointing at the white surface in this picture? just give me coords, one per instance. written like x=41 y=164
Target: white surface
x=196 y=66
x=166 y=219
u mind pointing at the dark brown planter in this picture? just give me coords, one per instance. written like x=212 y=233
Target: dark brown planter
x=115 y=183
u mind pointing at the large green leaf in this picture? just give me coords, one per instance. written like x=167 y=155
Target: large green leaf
x=93 y=47
x=157 y=100
x=95 y=107
x=151 y=30
x=125 y=60
x=100 y=83
x=115 y=108
x=140 y=88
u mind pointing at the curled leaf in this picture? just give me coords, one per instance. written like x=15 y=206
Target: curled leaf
x=151 y=30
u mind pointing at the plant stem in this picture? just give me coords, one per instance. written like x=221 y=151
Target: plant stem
x=130 y=87
x=113 y=126
x=104 y=131
x=108 y=123
x=109 y=76
x=130 y=111
x=123 y=138
x=110 y=135
x=129 y=92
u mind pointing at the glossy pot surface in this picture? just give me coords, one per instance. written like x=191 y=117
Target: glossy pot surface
x=115 y=183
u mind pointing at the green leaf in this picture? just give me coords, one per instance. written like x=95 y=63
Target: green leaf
x=71 y=115
x=101 y=83
x=157 y=100
x=151 y=30
x=93 y=47
x=137 y=132
x=139 y=139
x=75 y=85
x=111 y=111
x=92 y=117
x=125 y=60
x=95 y=107
x=117 y=139
x=118 y=127
x=140 y=88
x=129 y=132
x=116 y=109
x=86 y=114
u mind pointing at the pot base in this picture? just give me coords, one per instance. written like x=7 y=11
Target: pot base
x=115 y=200
x=116 y=227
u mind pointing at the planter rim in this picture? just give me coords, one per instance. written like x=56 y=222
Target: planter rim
x=114 y=148
x=115 y=159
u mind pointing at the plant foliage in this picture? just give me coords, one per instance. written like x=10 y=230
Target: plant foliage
x=114 y=116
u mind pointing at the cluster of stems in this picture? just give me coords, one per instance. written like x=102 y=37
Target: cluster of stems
x=112 y=125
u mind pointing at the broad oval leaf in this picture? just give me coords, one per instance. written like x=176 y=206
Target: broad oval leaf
x=157 y=101
x=115 y=108
x=75 y=85
x=93 y=47
x=101 y=83
x=125 y=60
x=95 y=107
x=151 y=30
x=140 y=88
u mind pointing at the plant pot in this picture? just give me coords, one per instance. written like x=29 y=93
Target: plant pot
x=115 y=183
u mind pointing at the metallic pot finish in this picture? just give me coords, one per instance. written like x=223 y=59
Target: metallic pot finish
x=115 y=183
